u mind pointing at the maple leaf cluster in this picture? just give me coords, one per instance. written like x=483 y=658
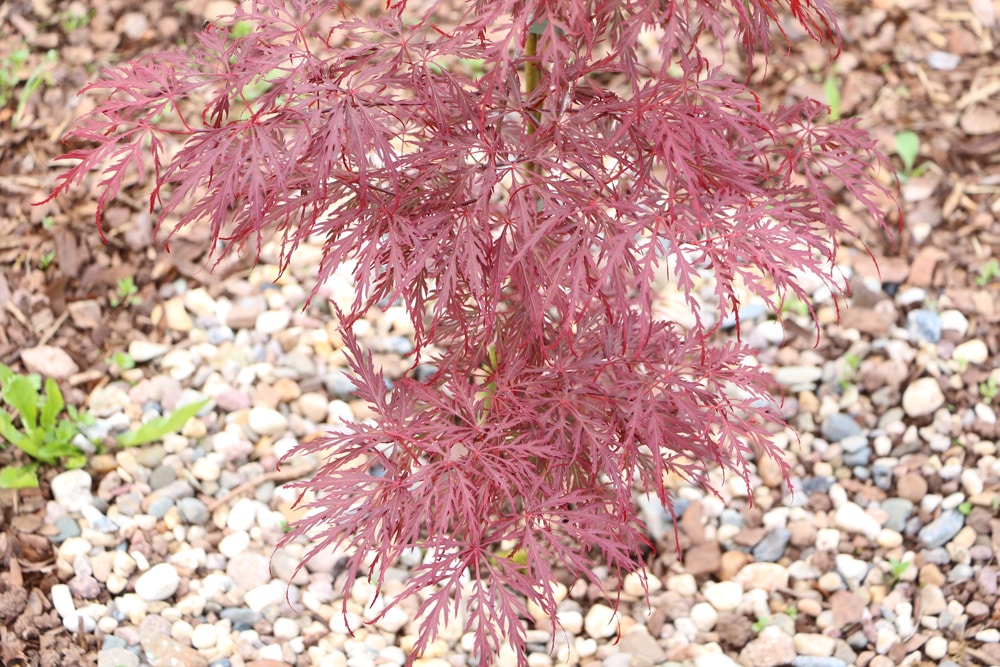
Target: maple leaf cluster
x=519 y=212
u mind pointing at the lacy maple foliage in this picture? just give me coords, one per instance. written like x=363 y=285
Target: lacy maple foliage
x=519 y=210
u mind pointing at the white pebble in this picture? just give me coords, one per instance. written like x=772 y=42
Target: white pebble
x=830 y=582
x=704 y=616
x=585 y=646
x=954 y=320
x=571 y=621
x=158 y=583
x=62 y=600
x=885 y=639
x=682 y=584
x=142 y=351
x=827 y=539
x=234 y=544
x=601 y=622
x=272 y=652
x=243 y=515
x=266 y=421
x=889 y=539
x=989 y=636
x=971 y=482
x=132 y=607
x=273 y=321
x=272 y=595
x=206 y=469
x=922 y=397
x=851 y=518
x=313 y=406
x=851 y=568
x=936 y=647
x=971 y=352
x=71 y=489
x=723 y=595
x=394 y=620
x=285 y=628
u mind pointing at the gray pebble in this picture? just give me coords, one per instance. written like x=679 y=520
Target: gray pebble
x=859 y=458
x=838 y=426
x=161 y=476
x=772 y=547
x=940 y=531
x=339 y=384
x=656 y=517
x=193 y=510
x=111 y=641
x=129 y=504
x=731 y=517
x=924 y=326
x=898 y=511
x=240 y=615
x=853 y=443
x=159 y=507
x=937 y=556
x=817 y=485
x=175 y=490
x=882 y=475
x=67 y=527
x=150 y=456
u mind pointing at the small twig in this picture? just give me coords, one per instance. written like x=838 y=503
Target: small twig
x=249 y=485
x=53 y=329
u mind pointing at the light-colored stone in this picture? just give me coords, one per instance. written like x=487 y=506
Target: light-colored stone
x=49 y=362
x=764 y=576
x=971 y=352
x=267 y=421
x=158 y=582
x=723 y=595
x=71 y=489
x=704 y=616
x=772 y=648
x=204 y=636
x=601 y=622
x=922 y=397
x=936 y=647
x=852 y=519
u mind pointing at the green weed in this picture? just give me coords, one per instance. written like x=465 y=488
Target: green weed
x=36 y=420
x=36 y=427
x=908 y=150
x=126 y=293
x=989 y=273
x=897 y=568
x=988 y=390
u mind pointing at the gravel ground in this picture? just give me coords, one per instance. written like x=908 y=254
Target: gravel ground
x=882 y=553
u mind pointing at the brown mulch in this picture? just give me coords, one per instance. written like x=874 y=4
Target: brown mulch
x=58 y=280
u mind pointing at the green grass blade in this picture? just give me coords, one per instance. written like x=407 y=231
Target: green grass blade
x=156 y=428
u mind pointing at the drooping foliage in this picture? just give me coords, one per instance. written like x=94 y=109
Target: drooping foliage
x=514 y=172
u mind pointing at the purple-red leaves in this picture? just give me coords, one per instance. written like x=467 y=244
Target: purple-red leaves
x=522 y=230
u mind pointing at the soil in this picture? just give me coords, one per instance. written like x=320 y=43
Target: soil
x=921 y=65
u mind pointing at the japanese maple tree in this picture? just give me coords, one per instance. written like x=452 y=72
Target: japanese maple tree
x=518 y=209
